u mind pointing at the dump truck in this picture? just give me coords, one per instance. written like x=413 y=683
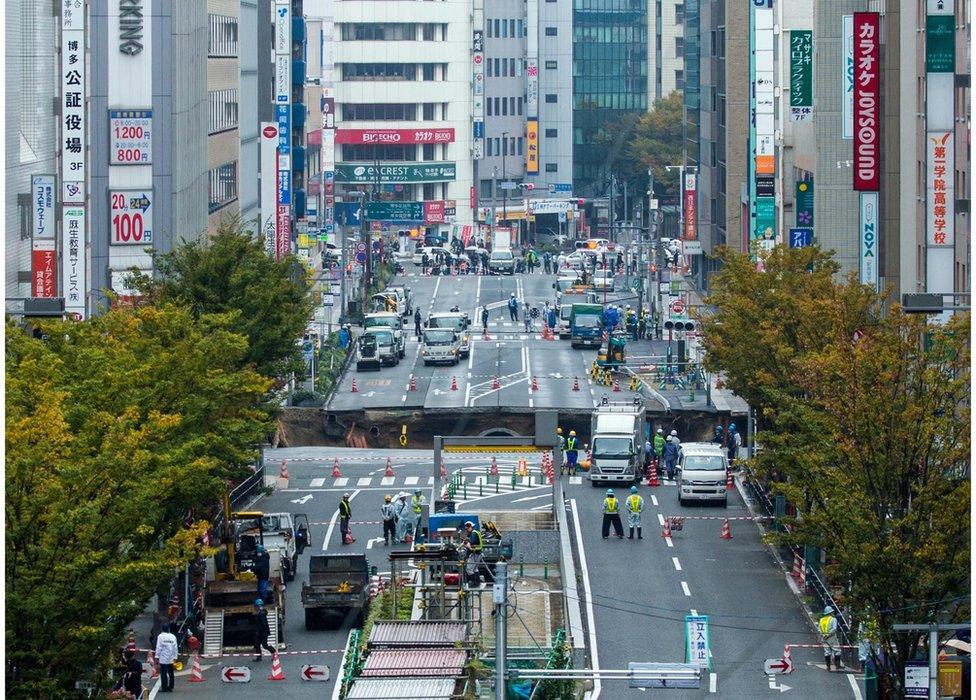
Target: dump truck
x=336 y=589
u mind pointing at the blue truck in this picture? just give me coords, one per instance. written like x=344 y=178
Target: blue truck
x=586 y=325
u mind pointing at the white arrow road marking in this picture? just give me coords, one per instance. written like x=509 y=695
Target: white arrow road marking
x=304 y=499
x=370 y=543
x=781 y=687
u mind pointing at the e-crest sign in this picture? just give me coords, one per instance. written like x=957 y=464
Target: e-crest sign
x=131 y=24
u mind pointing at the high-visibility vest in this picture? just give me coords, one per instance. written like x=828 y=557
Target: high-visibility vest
x=571 y=444
x=416 y=503
x=345 y=509
x=635 y=503
x=826 y=628
x=475 y=540
x=610 y=505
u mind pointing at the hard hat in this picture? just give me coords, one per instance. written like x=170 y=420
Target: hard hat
x=572 y=432
x=259 y=548
x=259 y=602
x=633 y=489
x=731 y=426
x=674 y=432
x=469 y=524
x=829 y=610
x=417 y=491
x=387 y=498
x=559 y=431
x=660 y=430
x=609 y=492
x=668 y=438
x=513 y=294
x=628 y=306
x=345 y=495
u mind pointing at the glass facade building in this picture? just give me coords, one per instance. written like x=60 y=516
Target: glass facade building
x=609 y=78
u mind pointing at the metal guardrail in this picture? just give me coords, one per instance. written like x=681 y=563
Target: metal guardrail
x=242 y=492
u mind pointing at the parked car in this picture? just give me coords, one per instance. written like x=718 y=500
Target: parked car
x=391 y=320
x=457 y=321
x=431 y=251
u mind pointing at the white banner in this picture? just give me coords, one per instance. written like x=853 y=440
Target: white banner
x=74 y=282
x=282 y=28
x=532 y=87
x=73 y=115
x=939 y=189
x=43 y=199
x=847 y=78
x=269 y=176
x=869 y=238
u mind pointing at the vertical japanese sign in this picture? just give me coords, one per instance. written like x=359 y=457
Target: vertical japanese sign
x=691 y=207
x=532 y=147
x=867 y=95
x=478 y=92
x=847 y=78
x=939 y=188
x=763 y=125
x=43 y=199
x=269 y=186
x=44 y=282
x=801 y=76
x=804 y=203
x=282 y=32
x=532 y=59
x=73 y=136
x=869 y=238
x=697 y=643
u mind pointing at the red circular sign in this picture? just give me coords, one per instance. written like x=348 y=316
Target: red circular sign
x=478 y=58
x=270 y=131
x=678 y=307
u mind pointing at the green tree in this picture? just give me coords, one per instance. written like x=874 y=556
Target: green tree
x=231 y=273
x=115 y=428
x=867 y=432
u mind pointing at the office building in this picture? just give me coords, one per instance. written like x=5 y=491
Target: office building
x=223 y=99
x=666 y=48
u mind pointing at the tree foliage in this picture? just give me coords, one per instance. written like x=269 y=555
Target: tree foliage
x=231 y=273
x=115 y=427
x=867 y=433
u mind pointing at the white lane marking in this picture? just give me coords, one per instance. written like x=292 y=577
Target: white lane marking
x=403 y=398
x=677 y=564
x=156 y=688
x=333 y=521
x=545 y=507
x=315 y=483
x=531 y=403
x=694 y=612
x=341 y=481
x=434 y=295
x=364 y=481
x=668 y=541
x=471 y=358
x=411 y=481
x=684 y=587
x=590 y=621
x=857 y=691
x=304 y=499
x=369 y=543
x=530 y=498
x=653 y=499
x=387 y=480
x=660 y=519
x=713 y=682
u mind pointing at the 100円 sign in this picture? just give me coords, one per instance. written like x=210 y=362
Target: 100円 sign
x=131 y=217
x=130 y=136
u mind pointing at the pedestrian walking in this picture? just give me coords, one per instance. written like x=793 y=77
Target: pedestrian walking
x=648 y=451
x=389 y=520
x=262 y=570
x=424 y=263
x=513 y=307
x=166 y=651
x=527 y=317
x=611 y=516
x=131 y=680
x=259 y=622
x=831 y=642
x=402 y=512
x=551 y=318
x=484 y=318
x=572 y=452
x=670 y=456
x=418 y=323
x=635 y=506
x=345 y=513
x=642 y=324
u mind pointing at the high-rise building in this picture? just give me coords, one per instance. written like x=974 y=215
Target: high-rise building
x=223 y=118
x=610 y=79
x=666 y=48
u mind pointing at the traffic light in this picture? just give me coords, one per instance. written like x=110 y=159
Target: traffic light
x=679 y=324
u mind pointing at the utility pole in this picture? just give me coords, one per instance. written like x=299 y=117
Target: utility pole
x=613 y=191
x=504 y=175
x=933 y=629
x=499 y=596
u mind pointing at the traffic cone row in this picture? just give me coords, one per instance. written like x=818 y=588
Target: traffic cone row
x=413 y=383
x=355 y=389
x=276 y=673
x=196 y=674
x=335 y=468
x=576 y=384
x=454 y=383
x=389 y=467
x=726 y=530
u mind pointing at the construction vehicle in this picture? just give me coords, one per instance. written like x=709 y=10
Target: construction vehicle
x=613 y=352
x=285 y=532
x=230 y=590
x=336 y=589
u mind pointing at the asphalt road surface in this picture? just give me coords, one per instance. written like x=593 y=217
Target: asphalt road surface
x=511 y=354
x=639 y=591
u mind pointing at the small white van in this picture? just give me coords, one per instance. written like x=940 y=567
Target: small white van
x=702 y=471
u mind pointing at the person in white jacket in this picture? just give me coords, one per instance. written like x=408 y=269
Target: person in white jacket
x=166 y=651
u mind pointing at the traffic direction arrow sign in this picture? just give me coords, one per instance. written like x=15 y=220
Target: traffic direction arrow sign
x=236 y=674
x=778 y=666
x=315 y=673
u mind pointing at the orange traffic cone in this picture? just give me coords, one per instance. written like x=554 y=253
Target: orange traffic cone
x=389 y=467
x=355 y=389
x=454 y=383
x=726 y=530
x=154 y=665
x=443 y=470
x=485 y=335
x=616 y=384
x=667 y=527
x=196 y=675
x=495 y=384
x=535 y=384
x=652 y=479
x=335 y=468
x=276 y=673
x=494 y=467
x=729 y=481
x=797 y=566
x=576 y=384
x=283 y=472
x=413 y=383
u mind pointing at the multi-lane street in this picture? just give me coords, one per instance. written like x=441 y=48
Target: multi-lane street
x=633 y=594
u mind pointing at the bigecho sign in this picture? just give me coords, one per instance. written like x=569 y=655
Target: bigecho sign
x=384 y=136
x=867 y=95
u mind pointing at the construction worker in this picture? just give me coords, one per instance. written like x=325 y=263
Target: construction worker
x=475 y=546
x=572 y=452
x=635 y=506
x=734 y=443
x=389 y=520
x=659 y=447
x=262 y=570
x=402 y=512
x=417 y=503
x=831 y=643
x=611 y=516
x=671 y=452
x=345 y=513
x=261 y=629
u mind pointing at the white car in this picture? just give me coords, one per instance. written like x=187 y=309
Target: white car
x=702 y=470
x=458 y=322
x=392 y=321
x=440 y=345
x=418 y=256
x=603 y=280
x=578 y=258
x=386 y=344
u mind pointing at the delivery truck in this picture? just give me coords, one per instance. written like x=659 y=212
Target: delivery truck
x=617 y=441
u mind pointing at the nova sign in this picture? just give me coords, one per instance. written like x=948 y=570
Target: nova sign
x=130 y=27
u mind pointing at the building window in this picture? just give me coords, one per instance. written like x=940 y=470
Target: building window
x=498 y=32
x=223 y=37
x=430 y=31
x=490 y=71
x=550 y=98
x=379 y=112
x=552 y=167
x=488 y=147
x=511 y=28
x=429 y=192
x=382 y=31
x=679 y=13
x=498 y=146
x=679 y=80
x=428 y=151
x=551 y=65
x=550 y=31
x=498 y=108
x=511 y=106
x=364 y=152
x=429 y=110
x=491 y=112
x=504 y=29
x=428 y=71
x=511 y=68
x=520 y=28
x=519 y=103
x=488 y=32
x=679 y=46
x=222 y=186
x=504 y=107
x=223 y=110
x=504 y=66
x=498 y=63
x=520 y=144
x=552 y=133
x=511 y=145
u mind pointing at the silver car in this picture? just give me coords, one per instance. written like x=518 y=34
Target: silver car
x=702 y=473
x=386 y=344
x=440 y=345
x=457 y=321
x=394 y=322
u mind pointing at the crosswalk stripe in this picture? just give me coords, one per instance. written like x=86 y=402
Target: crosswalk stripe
x=341 y=481
x=316 y=483
x=364 y=481
x=387 y=480
x=411 y=481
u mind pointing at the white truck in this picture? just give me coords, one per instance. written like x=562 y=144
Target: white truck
x=617 y=441
x=502 y=239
